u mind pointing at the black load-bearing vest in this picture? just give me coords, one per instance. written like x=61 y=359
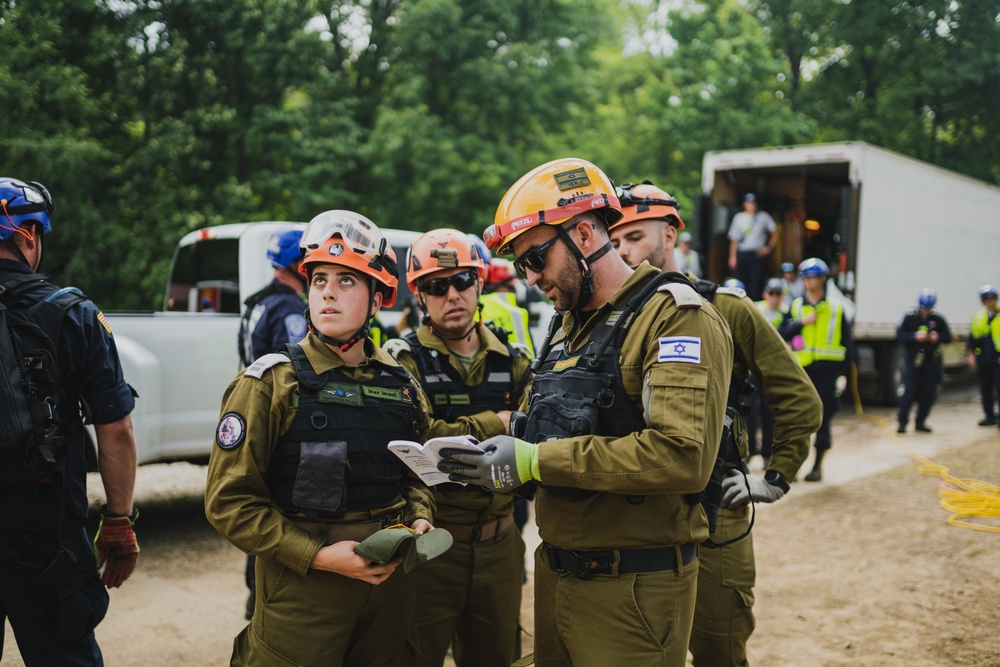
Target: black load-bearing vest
x=450 y=398
x=583 y=393
x=37 y=411
x=333 y=457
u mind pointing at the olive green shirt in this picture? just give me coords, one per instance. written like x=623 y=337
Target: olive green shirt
x=469 y=504
x=237 y=501
x=642 y=478
x=788 y=391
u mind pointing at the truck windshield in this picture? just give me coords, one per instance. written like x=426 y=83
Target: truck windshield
x=204 y=277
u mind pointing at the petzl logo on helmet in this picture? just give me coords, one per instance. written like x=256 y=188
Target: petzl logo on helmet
x=599 y=202
x=575 y=178
x=517 y=224
x=336 y=249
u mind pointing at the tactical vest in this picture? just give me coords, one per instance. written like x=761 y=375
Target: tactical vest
x=451 y=398
x=333 y=457
x=583 y=393
x=37 y=412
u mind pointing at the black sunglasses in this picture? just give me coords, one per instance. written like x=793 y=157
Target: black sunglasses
x=534 y=258
x=440 y=286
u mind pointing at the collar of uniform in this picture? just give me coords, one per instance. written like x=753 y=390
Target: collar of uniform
x=323 y=359
x=487 y=341
x=641 y=273
x=13 y=266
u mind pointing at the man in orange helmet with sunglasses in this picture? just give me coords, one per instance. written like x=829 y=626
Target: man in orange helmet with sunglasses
x=723 y=619
x=301 y=474
x=622 y=427
x=470 y=598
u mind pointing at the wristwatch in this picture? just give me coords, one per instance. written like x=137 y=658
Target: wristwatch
x=774 y=478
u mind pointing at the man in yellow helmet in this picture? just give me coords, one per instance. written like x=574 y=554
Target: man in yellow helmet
x=723 y=619
x=627 y=407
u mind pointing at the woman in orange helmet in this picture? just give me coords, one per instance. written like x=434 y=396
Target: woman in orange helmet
x=301 y=473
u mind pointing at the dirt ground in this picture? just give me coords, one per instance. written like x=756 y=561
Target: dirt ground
x=861 y=569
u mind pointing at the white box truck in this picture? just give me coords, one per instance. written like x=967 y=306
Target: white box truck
x=888 y=226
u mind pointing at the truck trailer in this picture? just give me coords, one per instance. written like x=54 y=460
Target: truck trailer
x=887 y=225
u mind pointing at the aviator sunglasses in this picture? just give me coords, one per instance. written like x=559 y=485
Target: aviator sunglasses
x=439 y=286
x=534 y=258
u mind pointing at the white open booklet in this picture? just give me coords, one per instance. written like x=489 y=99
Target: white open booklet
x=423 y=459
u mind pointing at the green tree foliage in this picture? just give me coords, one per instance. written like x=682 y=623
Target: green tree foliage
x=151 y=118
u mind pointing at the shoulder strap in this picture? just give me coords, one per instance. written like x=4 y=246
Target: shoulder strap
x=624 y=316
x=257 y=368
x=707 y=289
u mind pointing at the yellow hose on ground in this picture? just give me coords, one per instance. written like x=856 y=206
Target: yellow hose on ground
x=964 y=498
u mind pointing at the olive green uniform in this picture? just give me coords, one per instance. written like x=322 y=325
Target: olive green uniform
x=641 y=480
x=304 y=616
x=723 y=620
x=471 y=594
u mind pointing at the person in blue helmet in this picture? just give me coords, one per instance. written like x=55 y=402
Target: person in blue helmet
x=922 y=331
x=51 y=588
x=791 y=283
x=983 y=352
x=271 y=318
x=820 y=335
x=275 y=315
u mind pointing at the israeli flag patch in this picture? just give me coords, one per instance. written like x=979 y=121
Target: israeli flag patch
x=685 y=349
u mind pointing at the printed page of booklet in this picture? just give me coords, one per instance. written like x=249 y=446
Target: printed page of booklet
x=423 y=459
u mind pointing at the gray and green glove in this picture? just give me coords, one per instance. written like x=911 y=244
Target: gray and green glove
x=505 y=464
x=737 y=490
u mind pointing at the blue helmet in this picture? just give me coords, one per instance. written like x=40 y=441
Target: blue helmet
x=283 y=248
x=987 y=291
x=480 y=245
x=22 y=202
x=774 y=285
x=813 y=267
x=733 y=282
x=787 y=267
x=928 y=298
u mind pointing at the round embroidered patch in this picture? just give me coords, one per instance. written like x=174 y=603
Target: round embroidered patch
x=232 y=429
x=336 y=249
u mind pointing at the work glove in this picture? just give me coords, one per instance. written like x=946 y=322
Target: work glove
x=115 y=544
x=735 y=493
x=505 y=464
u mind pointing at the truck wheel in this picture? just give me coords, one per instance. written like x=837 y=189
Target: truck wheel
x=890 y=373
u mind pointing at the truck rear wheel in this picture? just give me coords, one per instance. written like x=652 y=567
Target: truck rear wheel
x=890 y=373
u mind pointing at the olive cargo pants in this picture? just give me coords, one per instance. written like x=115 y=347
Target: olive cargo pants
x=723 y=616
x=327 y=619
x=472 y=594
x=637 y=620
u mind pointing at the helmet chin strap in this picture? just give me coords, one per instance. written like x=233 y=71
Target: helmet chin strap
x=587 y=287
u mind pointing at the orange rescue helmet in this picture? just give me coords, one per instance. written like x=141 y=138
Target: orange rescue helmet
x=440 y=250
x=346 y=238
x=645 y=201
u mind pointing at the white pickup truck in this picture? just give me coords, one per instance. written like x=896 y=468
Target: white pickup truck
x=181 y=359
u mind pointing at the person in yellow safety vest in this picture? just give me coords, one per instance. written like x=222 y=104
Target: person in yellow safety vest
x=500 y=303
x=983 y=352
x=822 y=342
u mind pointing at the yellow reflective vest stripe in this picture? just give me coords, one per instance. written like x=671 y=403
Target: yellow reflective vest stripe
x=502 y=310
x=822 y=340
x=983 y=328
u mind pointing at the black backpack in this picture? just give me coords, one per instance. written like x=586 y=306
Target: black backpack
x=33 y=409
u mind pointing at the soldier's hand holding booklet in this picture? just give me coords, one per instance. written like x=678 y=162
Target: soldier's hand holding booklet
x=423 y=459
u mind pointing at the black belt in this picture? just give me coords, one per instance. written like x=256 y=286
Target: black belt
x=617 y=561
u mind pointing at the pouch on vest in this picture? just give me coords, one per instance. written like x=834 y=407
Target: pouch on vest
x=554 y=417
x=15 y=416
x=319 y=480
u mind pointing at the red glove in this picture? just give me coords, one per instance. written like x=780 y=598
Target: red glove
x=115 y=543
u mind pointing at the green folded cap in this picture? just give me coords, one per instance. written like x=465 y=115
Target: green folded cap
x=416 y=550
